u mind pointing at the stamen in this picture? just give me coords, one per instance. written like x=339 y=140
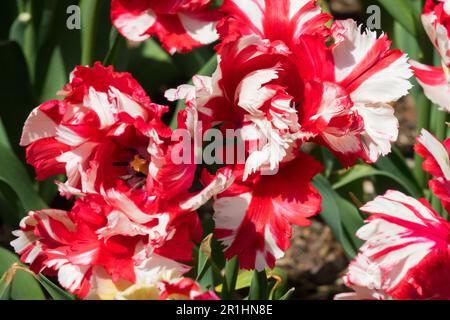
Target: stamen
x=139 y=165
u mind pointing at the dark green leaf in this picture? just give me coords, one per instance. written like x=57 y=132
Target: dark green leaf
x=15 y=91
x=14 y=175
x=24 y=285
x=5 y=287
x=258 y=287
x=288 y=294
x=244 y=280
x=230 y=278
x=361 y=171
x=153 y=67
x=280 y=284
x=396 y=165
x=339 y=216
x=4 y=140
x=116 y=40
x=53 y=290
x=208 y=275
x=204 y=255
x=89 y=30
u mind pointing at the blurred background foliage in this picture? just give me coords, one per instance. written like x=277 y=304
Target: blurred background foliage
x=37 y=54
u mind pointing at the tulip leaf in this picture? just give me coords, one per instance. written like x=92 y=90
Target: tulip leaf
x=53 y=290
x=404 y=13
x=15 y=90
x=15 y=176
x=16 y=283
x=361 y=171
x=230 y=278
x=258 y=287
x=288 y=294
x=340 y=215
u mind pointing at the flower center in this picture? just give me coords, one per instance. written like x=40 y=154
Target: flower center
x=139 y=165
x=137 y=172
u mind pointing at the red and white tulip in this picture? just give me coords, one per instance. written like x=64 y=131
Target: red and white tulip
x=435 y=80
x=180 y=25
x=358 y=76
x=104 y=236
x=100 y=134
x=406 y=255
x=437 y=163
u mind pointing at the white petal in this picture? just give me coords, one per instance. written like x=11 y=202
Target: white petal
x=38 y=126
x=201 y=31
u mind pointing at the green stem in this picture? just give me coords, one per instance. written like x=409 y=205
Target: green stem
x=111 y=56
x=89 y=21
x=440 y=126
x=439 y=129
x=424 y=111
x=26 y=16
x=22 y=5
x=437 y=206
x=424 y=116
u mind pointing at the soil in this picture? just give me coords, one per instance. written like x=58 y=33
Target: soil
x=314 y=263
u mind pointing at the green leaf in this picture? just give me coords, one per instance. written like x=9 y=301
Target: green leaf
x=89 y=28
x=190 y=63
x=258 y=287
x=217 y=3
x=24 y=31
x=351 y=222
x=7 y=16
x=21 y=285
x=50 y=23
x=208 y=275
x=362 y=171
x=11 y=209
x=280 y=283
x=329 y=161
x=288 y=294
x=244 y=279
x=396 y=165
x=153 y=68
x=111 y=56
x=406 y=42
x=5 y=287
x=15 y=91
x=53 y=290
x=56 y=76
x=14 y=175
x=4 y=140
x=230 y=278
x=204 y=255
x=404 y=13
x=340 y=215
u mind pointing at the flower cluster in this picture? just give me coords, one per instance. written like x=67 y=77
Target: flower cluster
x=284 y=79
x=280 y=85
x=407 y=251
x=133 y=222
